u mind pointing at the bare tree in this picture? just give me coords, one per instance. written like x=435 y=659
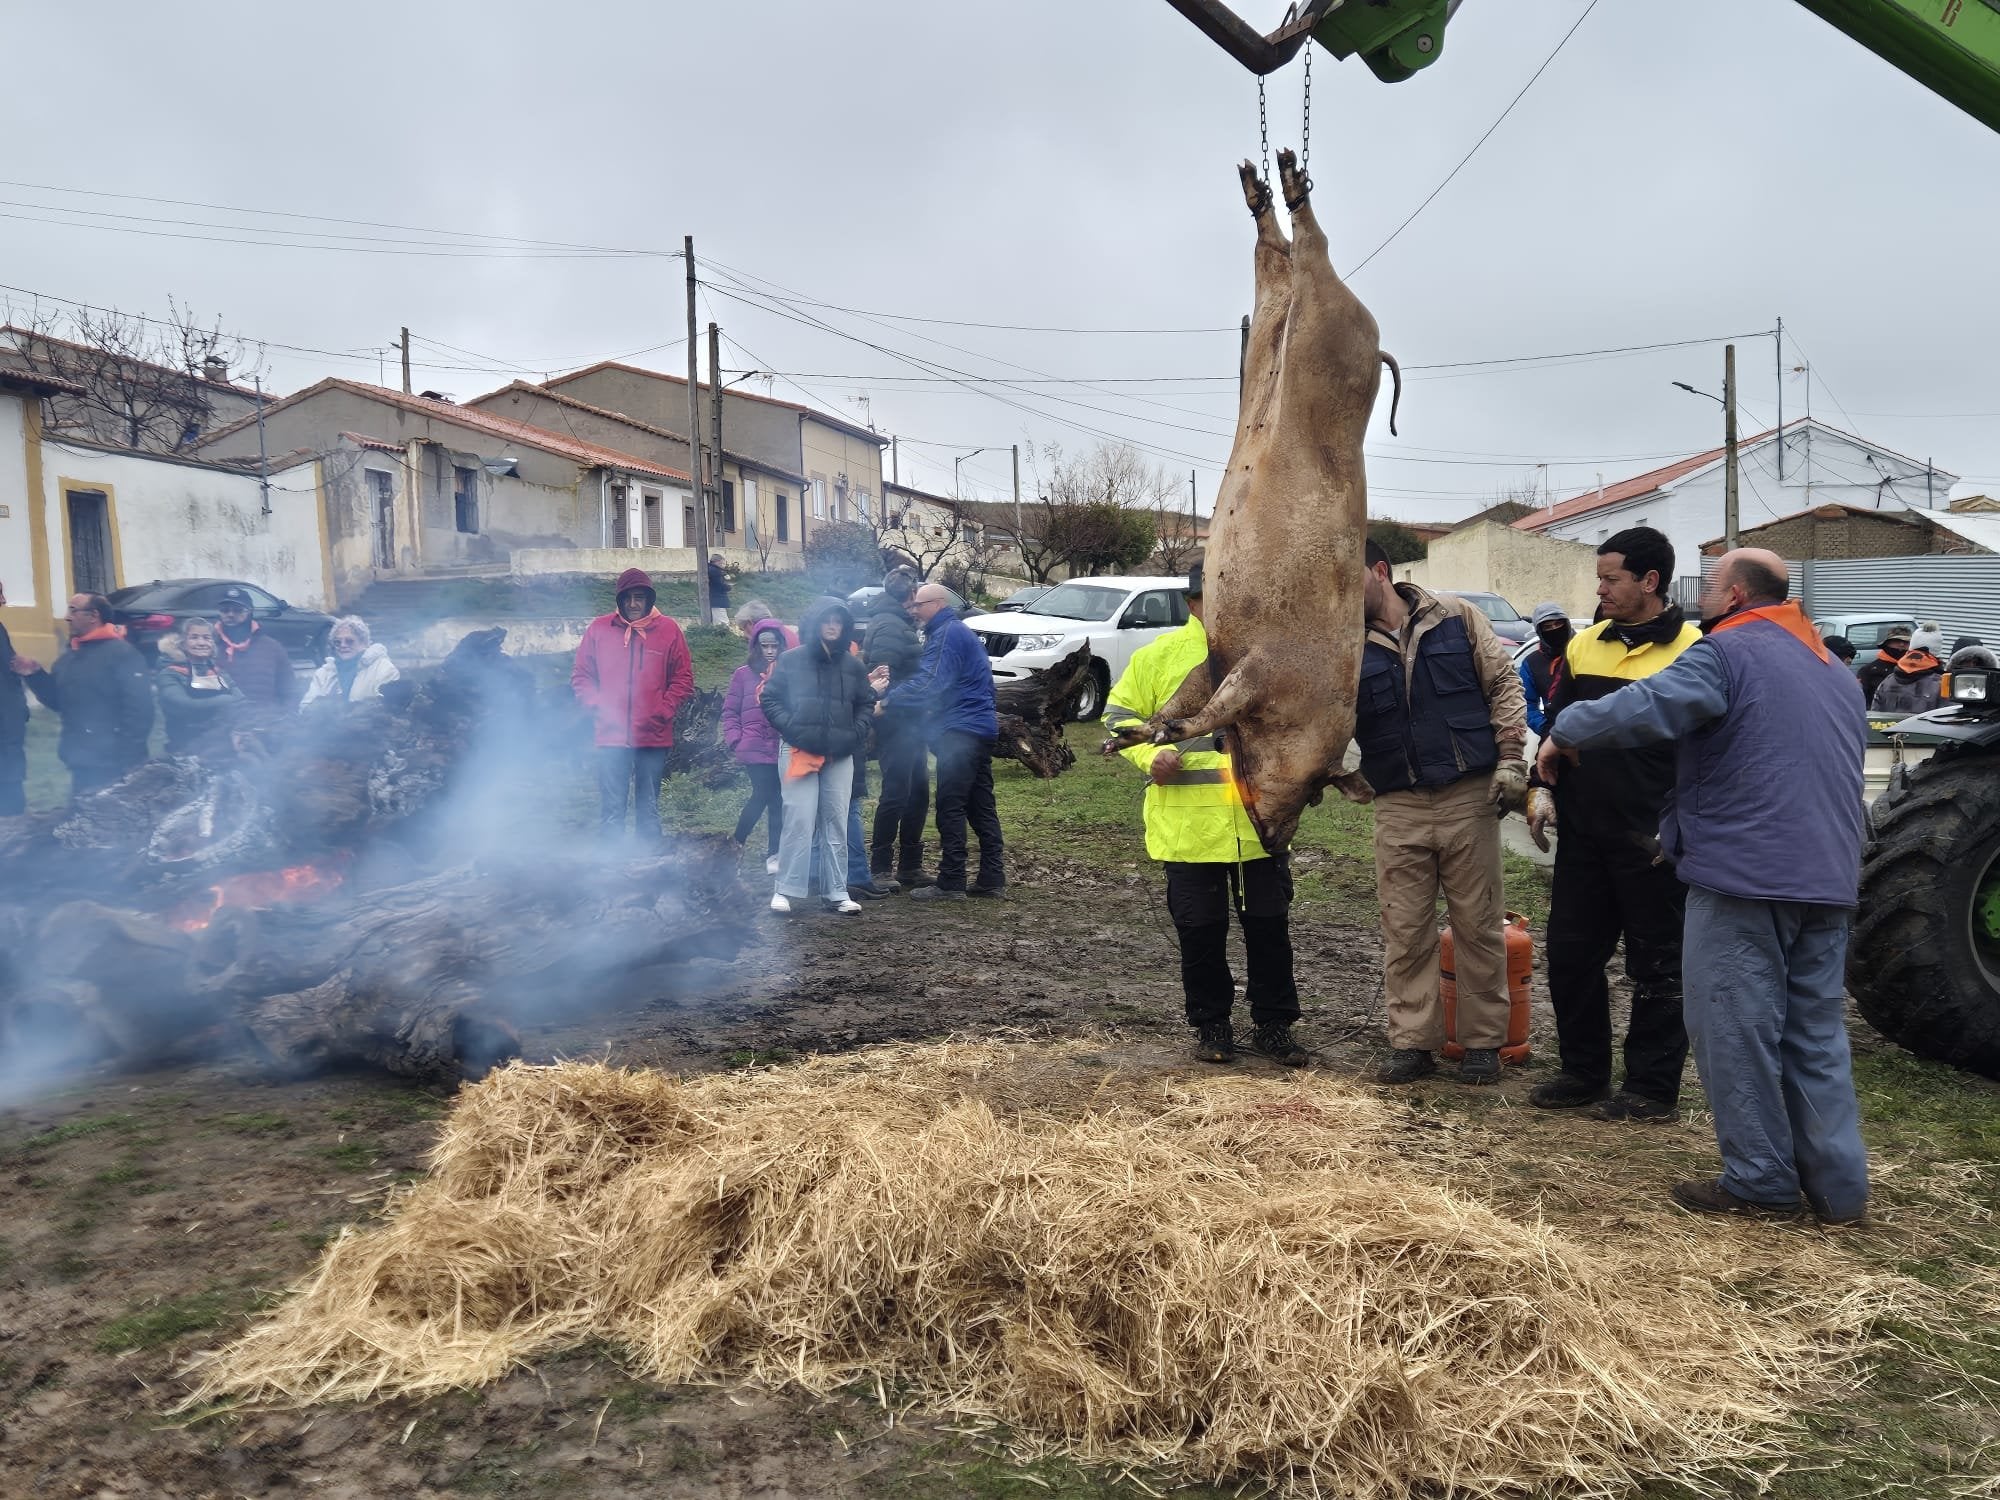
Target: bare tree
x=1177 y=533
x=149 y=383
x=1095 y=510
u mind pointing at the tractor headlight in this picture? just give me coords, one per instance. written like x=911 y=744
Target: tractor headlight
x=1968 y=687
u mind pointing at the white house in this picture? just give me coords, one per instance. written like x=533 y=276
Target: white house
x=1684 y=499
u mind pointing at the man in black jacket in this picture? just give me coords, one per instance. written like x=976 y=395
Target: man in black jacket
x=101 y=688
x=13 y=729
x=1610 y=881
x=893 y=642
x=252 y=657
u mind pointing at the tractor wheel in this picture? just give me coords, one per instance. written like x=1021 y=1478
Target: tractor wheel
x=1924 y=958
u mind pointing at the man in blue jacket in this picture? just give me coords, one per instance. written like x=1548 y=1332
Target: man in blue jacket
x=1764 y=825
x=953 y=688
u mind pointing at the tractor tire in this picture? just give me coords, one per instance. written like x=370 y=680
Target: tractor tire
x=1923 y=962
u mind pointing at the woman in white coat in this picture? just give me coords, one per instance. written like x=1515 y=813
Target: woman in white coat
x=357 y=670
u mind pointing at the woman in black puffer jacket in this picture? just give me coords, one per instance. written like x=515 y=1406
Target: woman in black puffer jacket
x=819 y=701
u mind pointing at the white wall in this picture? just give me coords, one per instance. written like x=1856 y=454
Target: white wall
x=17 y=554
x=1822 y=466
x=184 y=520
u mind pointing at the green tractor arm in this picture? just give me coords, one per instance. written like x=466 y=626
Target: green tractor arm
x=1950 y=46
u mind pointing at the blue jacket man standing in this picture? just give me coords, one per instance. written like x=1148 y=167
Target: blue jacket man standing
x=1765 y=826
x=953 y=688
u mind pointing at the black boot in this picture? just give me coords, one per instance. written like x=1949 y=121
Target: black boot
x=1274 y=1040
x=1215 y=1042
x=1479 y=1065
x=1406 y=1065
x=1568 y=1091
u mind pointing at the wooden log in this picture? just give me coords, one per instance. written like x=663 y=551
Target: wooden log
x=1035 y=712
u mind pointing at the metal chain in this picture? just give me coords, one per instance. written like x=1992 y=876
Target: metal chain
x=1263 y=127
x=1306 y=128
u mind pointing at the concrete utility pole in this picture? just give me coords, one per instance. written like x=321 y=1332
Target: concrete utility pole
x=405 y=342
x=694 y=445
x=1780 y=340
x=715 y=424
x=263 y=461
x=1729 y=448
x=895 y=465
x=1017 y=492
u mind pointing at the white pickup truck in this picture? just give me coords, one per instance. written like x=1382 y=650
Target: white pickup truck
x=1115 y=616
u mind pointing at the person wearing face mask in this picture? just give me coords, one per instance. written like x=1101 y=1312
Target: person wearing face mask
x=198 y=701
x=632 y=674
x=252 y=658
x=358 y=669
x=1912 y=687
x=1891 y=652
x=1765 y=826
x=819 y=701
x=1610 y=882
x=1540 y=666
x=753 y=741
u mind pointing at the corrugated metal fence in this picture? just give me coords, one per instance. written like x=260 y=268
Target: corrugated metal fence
x=1962 y=594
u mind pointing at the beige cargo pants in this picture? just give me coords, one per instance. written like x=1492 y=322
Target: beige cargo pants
x=1425 y=841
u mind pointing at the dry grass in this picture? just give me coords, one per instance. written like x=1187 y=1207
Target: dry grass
x=1204 y=1278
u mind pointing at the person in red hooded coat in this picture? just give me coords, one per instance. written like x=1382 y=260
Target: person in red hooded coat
x=632 y=673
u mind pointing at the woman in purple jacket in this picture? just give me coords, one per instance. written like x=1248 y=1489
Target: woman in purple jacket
x=752 y=740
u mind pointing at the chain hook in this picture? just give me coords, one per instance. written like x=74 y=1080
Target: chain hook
x=1306 y=127
x=1263 y=128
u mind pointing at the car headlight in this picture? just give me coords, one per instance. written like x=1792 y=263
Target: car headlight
x=1968 y=687
x=1037 y=642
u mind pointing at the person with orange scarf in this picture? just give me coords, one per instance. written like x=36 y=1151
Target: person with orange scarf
x=1765 y=828
x=1912 y=685
x=101 y=688
x=632 y=673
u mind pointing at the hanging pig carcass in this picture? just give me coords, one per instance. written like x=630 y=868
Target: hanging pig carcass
x=1283 y=568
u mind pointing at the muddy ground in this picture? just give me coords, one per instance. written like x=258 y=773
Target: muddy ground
x=146 y=1217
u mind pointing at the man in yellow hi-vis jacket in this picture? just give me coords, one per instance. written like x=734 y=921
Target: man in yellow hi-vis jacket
x=1196 y=827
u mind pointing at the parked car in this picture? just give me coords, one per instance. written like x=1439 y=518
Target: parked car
x=1114 y=616
x=1866 y=632
x=1507 y=621
x=1022 y=598
x=151 y=610
x=861 y=598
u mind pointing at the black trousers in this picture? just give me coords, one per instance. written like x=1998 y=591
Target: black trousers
x=636 y=773
x=765 y=802
x=1198 y=899
x=965 y=795
x=1604 y=890
x=897 y=841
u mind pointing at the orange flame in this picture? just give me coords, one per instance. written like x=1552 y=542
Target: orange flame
x=265 y=888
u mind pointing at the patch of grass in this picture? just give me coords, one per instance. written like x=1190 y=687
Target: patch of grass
x=121 y=1175
x=263 y=1122
x=70 y=1266
x=6 y=1255
x=942 y=1472
x=163 y=1322
x=406 y=1105
x=753 y=1057
x=352 y=1156
x=74 y=1130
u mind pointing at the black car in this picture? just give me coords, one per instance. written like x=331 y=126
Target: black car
x=151 y=610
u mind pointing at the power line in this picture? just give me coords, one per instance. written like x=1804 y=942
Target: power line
x=1476 y=144
x=223 y=239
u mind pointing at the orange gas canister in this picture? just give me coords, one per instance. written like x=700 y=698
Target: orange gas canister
x=1520 y=967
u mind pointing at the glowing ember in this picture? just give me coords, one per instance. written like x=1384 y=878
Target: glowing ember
x=265 y=888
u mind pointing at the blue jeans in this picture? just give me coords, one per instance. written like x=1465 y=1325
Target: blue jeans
x=1763 y=985
x=638 y=774
x=816 y=822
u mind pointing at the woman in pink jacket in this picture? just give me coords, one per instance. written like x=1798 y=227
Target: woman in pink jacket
x=750 y=737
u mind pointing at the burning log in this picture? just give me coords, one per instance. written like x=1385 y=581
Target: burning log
x=1035 y=710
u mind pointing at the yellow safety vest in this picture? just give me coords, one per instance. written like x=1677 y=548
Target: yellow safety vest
x=1198 y=817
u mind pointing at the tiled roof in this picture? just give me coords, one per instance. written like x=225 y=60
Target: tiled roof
x=1628 y=489
x=542 y=392
x=590 y=455
x=15 y=331
x=681 y=380
x=380 y=445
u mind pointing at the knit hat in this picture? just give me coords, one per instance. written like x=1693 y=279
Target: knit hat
x=1928 y=637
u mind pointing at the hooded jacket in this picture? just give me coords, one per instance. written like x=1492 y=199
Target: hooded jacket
x=376 y=671
x=633 y=677
x=1878 y=669
x=745 y=730
x=101 y=689
x=954 y=685
x=817 y=697
x=892 y=640
x=1913 y=687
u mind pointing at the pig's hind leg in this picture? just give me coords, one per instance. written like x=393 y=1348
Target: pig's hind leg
x=1234 y=697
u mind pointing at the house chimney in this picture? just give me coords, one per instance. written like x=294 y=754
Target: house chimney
x=215 y=367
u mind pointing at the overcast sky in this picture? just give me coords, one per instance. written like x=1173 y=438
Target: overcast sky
x=1683 y=170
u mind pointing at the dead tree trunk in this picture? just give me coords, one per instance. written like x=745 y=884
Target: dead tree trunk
x=1034 y=711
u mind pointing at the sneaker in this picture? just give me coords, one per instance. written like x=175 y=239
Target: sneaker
x=988 y=892
x=1568 y=1091
x=868 y=893
x=1711 y=1197
x=771 y=865
x=1626 y=1105
x=1215 y=1043
x=781 y=906
x=1276 y=1042
x=1406 y=1065
x=935 y=893
x=1480 y=1065
x=844 y=907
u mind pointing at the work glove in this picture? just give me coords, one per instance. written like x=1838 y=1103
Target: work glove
x=1510 y=787
x=1541 y=816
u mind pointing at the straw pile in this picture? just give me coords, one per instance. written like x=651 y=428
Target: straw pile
x=1201 y=1278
